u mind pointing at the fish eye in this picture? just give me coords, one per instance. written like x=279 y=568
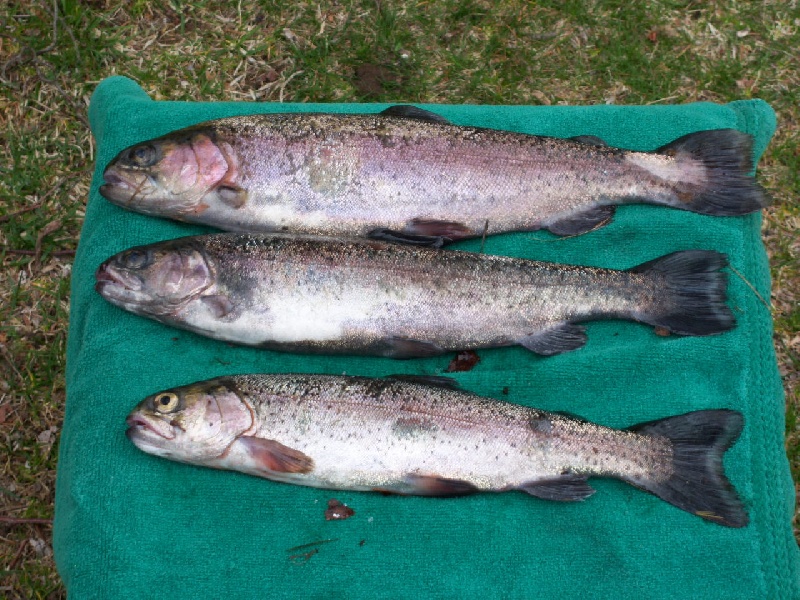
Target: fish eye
x=166 y=402
x=143 y=156
x=134 y=259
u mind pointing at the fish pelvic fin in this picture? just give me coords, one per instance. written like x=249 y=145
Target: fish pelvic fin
x=698 y=483
x=692 y=293
x=729 y=188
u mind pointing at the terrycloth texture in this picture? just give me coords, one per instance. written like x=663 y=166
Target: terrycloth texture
x=129 y=525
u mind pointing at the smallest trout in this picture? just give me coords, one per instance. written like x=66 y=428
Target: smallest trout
x=420 y=436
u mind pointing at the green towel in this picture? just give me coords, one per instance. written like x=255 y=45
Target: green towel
x=129 y=525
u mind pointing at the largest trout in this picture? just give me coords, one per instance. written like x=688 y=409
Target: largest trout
x=409 y=172
x=372 y=297
x=408 y=438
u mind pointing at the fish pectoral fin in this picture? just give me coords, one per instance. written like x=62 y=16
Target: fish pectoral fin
x=591 y=140
x=433 y=485
x=562 y=338
x=398 y=237
x=395 y=347
x=219 y=305
x=412 y=112
x=274 y=456
x=583 y=222
x=565 y=488
x=452 y=230
x=232 y=195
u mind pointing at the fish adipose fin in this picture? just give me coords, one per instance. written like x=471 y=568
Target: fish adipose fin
x=562 y=338
x=583 y=222
x=727 y=156
x=691 y=293
x=412 y=112
x=591 y=140
x=698 y=483
x=567 y=488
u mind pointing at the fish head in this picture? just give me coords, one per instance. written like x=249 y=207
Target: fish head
x=196 y=423
x=156 y=280
x=177 y=176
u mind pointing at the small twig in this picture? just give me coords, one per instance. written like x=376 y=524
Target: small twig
x=18 y=557
x=33 y=252
x=283 y=86
x=10 y=361
x=51 y=227
x=21 y=211
x=23 y=521
x=750 y=285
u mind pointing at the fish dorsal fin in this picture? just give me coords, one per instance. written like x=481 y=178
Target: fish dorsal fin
x=430 y=380
x=412 y=112
x=591 y=140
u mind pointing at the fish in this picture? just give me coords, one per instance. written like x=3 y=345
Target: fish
x=371 y=297
x=423 y=436
x=409 y=174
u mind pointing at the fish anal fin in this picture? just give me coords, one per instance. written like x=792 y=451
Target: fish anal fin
x=564 y=488
x=412 y=112
x=433 y=485
x=276 y=457
x=395 y=347
x=452 y=230
x=583 y=222
x=399 y=237
x=561 y=338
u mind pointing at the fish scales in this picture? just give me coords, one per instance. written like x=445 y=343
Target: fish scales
x=371 y=297
x=410 y=437
x=334 y=174
x=405 y=427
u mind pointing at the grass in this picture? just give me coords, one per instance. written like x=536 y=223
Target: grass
x=52 y=54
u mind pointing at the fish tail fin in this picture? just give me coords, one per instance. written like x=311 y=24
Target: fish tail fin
x=691 y=293
x=728 y=187
x=697 y=483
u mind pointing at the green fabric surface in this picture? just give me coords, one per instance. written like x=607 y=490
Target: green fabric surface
x=129 y=525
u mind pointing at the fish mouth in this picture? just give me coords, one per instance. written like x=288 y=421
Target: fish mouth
x=106 y=276
x=116 y=188
x=141 y=429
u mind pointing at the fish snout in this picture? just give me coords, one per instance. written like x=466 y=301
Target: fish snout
x=141 y=426
x=107 y=276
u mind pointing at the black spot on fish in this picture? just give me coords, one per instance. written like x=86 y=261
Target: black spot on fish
x=540 y=424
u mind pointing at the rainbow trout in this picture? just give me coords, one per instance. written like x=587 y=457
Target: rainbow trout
x=407 y=172
x=406 y=437
x=365 y=296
